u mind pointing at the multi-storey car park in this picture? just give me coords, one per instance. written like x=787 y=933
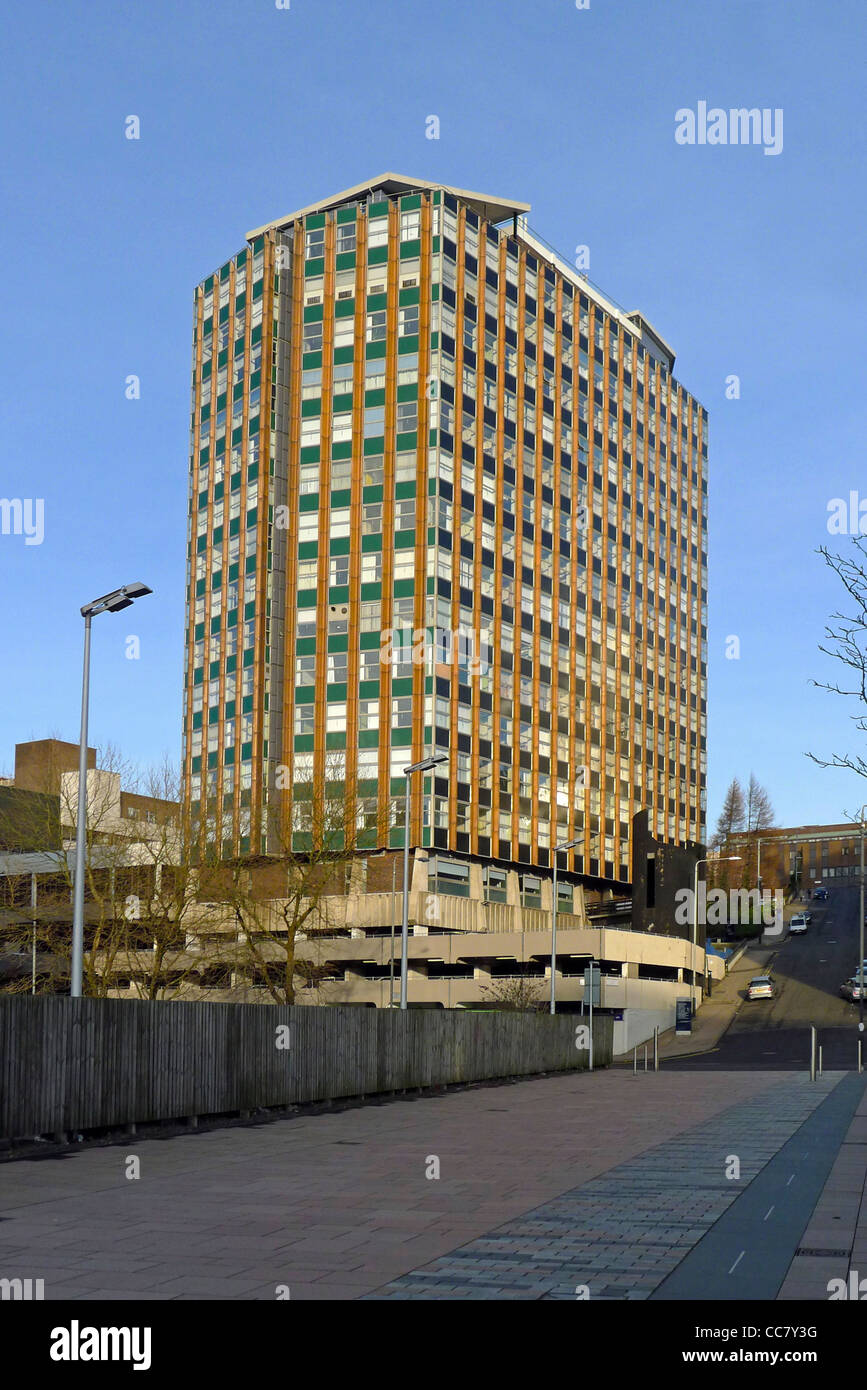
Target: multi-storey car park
x=410 y=414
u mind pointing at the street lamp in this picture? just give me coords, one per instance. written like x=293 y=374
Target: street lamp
x=109 y=603
x=759 y=865
x=378 y=854
x=424 y=766
x=727 y=859
x=861 y=931
x=572 y=844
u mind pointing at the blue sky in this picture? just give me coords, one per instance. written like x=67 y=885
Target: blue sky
x=748 y=264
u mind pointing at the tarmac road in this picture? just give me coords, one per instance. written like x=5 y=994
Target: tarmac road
x=808 y=969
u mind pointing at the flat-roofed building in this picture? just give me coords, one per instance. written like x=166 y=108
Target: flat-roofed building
x=445 y=496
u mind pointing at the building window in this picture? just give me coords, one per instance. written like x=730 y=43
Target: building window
x=410 y=226
x=313 y=337
x=346 y=238
x=401 y=713
x=376 y=326
x=495 y=885
x=368 y=712
x=304 y=719
x=310 y=432
x=314 y=244
x=305 y=670
x=377 y=233
x=306 y=623
x=531 y=891
x=337 y=667
x=341 y=427
x=408 y=320
x=374 y=373
x=449 y=876
x=335 y=717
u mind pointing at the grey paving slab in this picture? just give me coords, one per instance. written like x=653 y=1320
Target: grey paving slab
x=340 y=1201
x=625 y=1232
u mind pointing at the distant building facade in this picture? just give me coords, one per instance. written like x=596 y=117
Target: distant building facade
x=804 y=856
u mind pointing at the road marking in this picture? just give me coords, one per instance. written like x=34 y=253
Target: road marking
x=737 y=1262
x=791 y=1180
x=767 y=1214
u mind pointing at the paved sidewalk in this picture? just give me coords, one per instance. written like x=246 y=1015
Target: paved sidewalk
x=834 y=1245
x=622 y=1235
x=335 y=1206
x=717 y=1012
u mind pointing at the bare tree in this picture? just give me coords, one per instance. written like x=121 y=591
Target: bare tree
x=731 y=817
x=140 y=889
x=516 y=993
x=759 y=811
x=286 y=904
x=759 y=817
x=846 y=642
x=743 y=819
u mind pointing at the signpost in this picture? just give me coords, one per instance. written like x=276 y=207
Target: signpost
x=593 y=991
x=683 y=1025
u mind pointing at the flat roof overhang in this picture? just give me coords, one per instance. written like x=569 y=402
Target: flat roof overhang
x=491 y=208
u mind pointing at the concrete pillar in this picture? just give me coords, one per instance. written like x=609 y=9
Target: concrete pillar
x=476 y=881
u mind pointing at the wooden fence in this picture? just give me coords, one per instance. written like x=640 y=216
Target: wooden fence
x=72 y=1065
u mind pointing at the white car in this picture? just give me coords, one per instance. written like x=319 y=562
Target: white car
x=798 y=923
x=762 y=987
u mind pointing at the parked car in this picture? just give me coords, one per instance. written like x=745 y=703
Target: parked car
x=852 y=989
x=821 y=894
x=808 y=917
x=762 y=987
x=798 y=923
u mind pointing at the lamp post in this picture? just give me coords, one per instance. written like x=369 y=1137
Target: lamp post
x=33 y=900
x=424 y=766
x=109 y=603
x=572 y=844
x=393 y=914
x=727 y=859
x=380 y=854
x=861 y=930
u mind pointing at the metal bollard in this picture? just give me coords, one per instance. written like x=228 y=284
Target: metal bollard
x=860 y=1064
x=656 y=1049
x=820 y=1061
x=812 y=1053
x=645 y=1056
x=635 y=1060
